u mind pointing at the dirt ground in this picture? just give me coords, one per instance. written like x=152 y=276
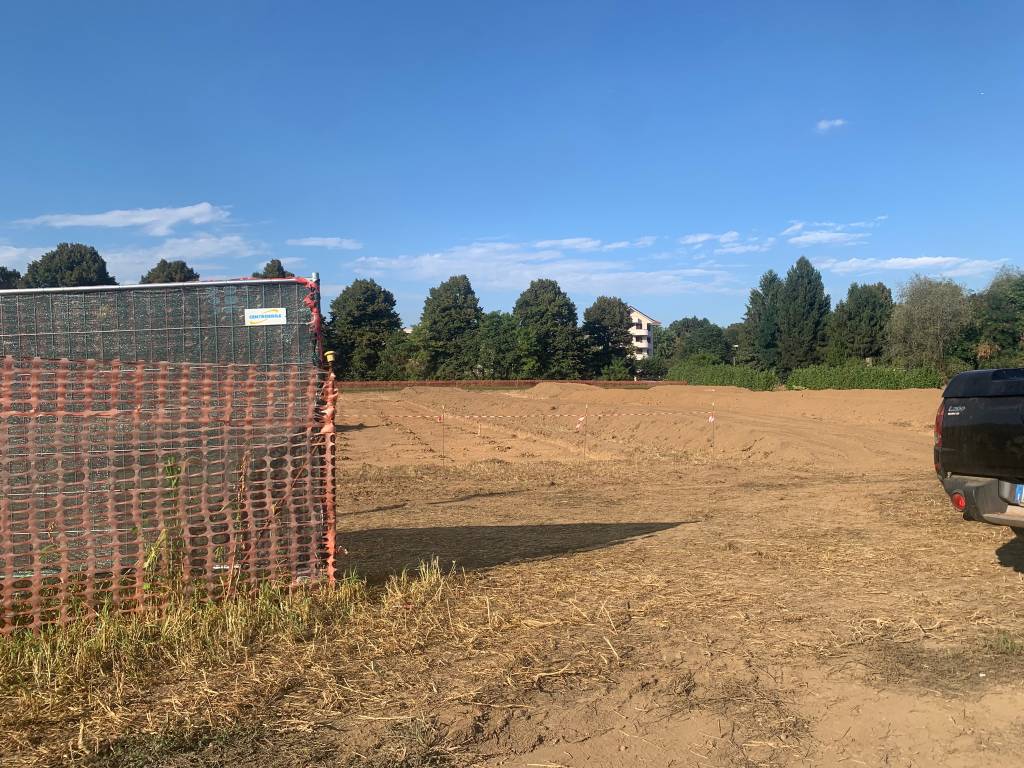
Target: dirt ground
x=783 y=585
x=620 y=580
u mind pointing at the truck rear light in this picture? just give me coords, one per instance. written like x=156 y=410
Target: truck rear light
x=938 y=424
x=959 y=501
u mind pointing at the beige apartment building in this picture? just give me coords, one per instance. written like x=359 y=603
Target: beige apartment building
x=642 y=331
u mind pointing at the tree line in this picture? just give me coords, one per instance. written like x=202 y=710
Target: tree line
x=788 y=324
x=934 y=324
x=540 y=338
x=71 y=265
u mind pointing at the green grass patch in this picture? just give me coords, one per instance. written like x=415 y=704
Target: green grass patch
x=1004 y=643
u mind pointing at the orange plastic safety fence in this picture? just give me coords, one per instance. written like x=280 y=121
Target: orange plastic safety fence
x=504 y=383
x=124 y=483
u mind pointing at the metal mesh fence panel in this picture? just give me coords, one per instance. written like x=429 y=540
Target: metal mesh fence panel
x=189 y=322
x=166 y=446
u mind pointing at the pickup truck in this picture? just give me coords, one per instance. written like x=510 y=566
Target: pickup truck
x=979 y=445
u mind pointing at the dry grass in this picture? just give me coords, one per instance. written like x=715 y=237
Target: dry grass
x=93 y=673
x=126 y=689
x=423 y=666
x=119 y=650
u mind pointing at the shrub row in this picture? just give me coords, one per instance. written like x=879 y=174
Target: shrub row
x=848 y=376
x=859 y=376
x=723 y=375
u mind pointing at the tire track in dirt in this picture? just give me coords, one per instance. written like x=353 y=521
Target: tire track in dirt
x=398 y=431
x=748 y=426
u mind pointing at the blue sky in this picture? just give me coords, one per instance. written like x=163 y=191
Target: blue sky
x=668 y=153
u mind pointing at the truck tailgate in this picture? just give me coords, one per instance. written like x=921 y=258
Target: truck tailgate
x=984 y=437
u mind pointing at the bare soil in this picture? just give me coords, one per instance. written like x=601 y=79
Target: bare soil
x=783 y=585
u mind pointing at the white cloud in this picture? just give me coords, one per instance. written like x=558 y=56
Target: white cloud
x=641 y=242
x=971 y=267
x=591 y=244
x=824 y=126
x=752 y=245
x=18 y=258
x=869 y=224
x=202 y=252
x=703 y=237
x=503 y=265
x=828 y=238
x=730 y=242
x=154 y=221
x=331 y=243
x=946 y=266
x=802 y=233
x=571 y=243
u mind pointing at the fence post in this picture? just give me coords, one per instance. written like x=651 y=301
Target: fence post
x=329 y=431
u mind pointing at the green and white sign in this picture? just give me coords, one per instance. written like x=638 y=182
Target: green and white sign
x=266 y=316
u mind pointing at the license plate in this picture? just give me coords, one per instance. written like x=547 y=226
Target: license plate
x=1018 y=494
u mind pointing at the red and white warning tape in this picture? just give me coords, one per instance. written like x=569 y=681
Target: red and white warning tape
x=579 y=416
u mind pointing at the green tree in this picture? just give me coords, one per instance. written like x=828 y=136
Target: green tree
x=663 y=338
x=363 y=318
x=548 y=333
x=698 y=336
x=733 y=339
x=397 y=356
x=273 y=270
x=759 y=342
x=999 y=312
x=606 y=325
x=616 y=370
x=928 y=323
x=447 y=329
x=653 y=367
x=499 y=352
x=170 y=272
x=69 y=265
x=857 y=327
x=9 y=278
x=803 y=317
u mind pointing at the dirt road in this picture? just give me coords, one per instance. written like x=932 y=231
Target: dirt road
x=783 y=585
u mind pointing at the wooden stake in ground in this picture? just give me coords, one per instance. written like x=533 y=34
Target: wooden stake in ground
x=711 y=420
x=586 y=418
x=441 y=419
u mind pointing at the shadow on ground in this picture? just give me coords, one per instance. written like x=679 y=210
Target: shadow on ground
x=1011 y=554
x=350 y=427
x=378 y=552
